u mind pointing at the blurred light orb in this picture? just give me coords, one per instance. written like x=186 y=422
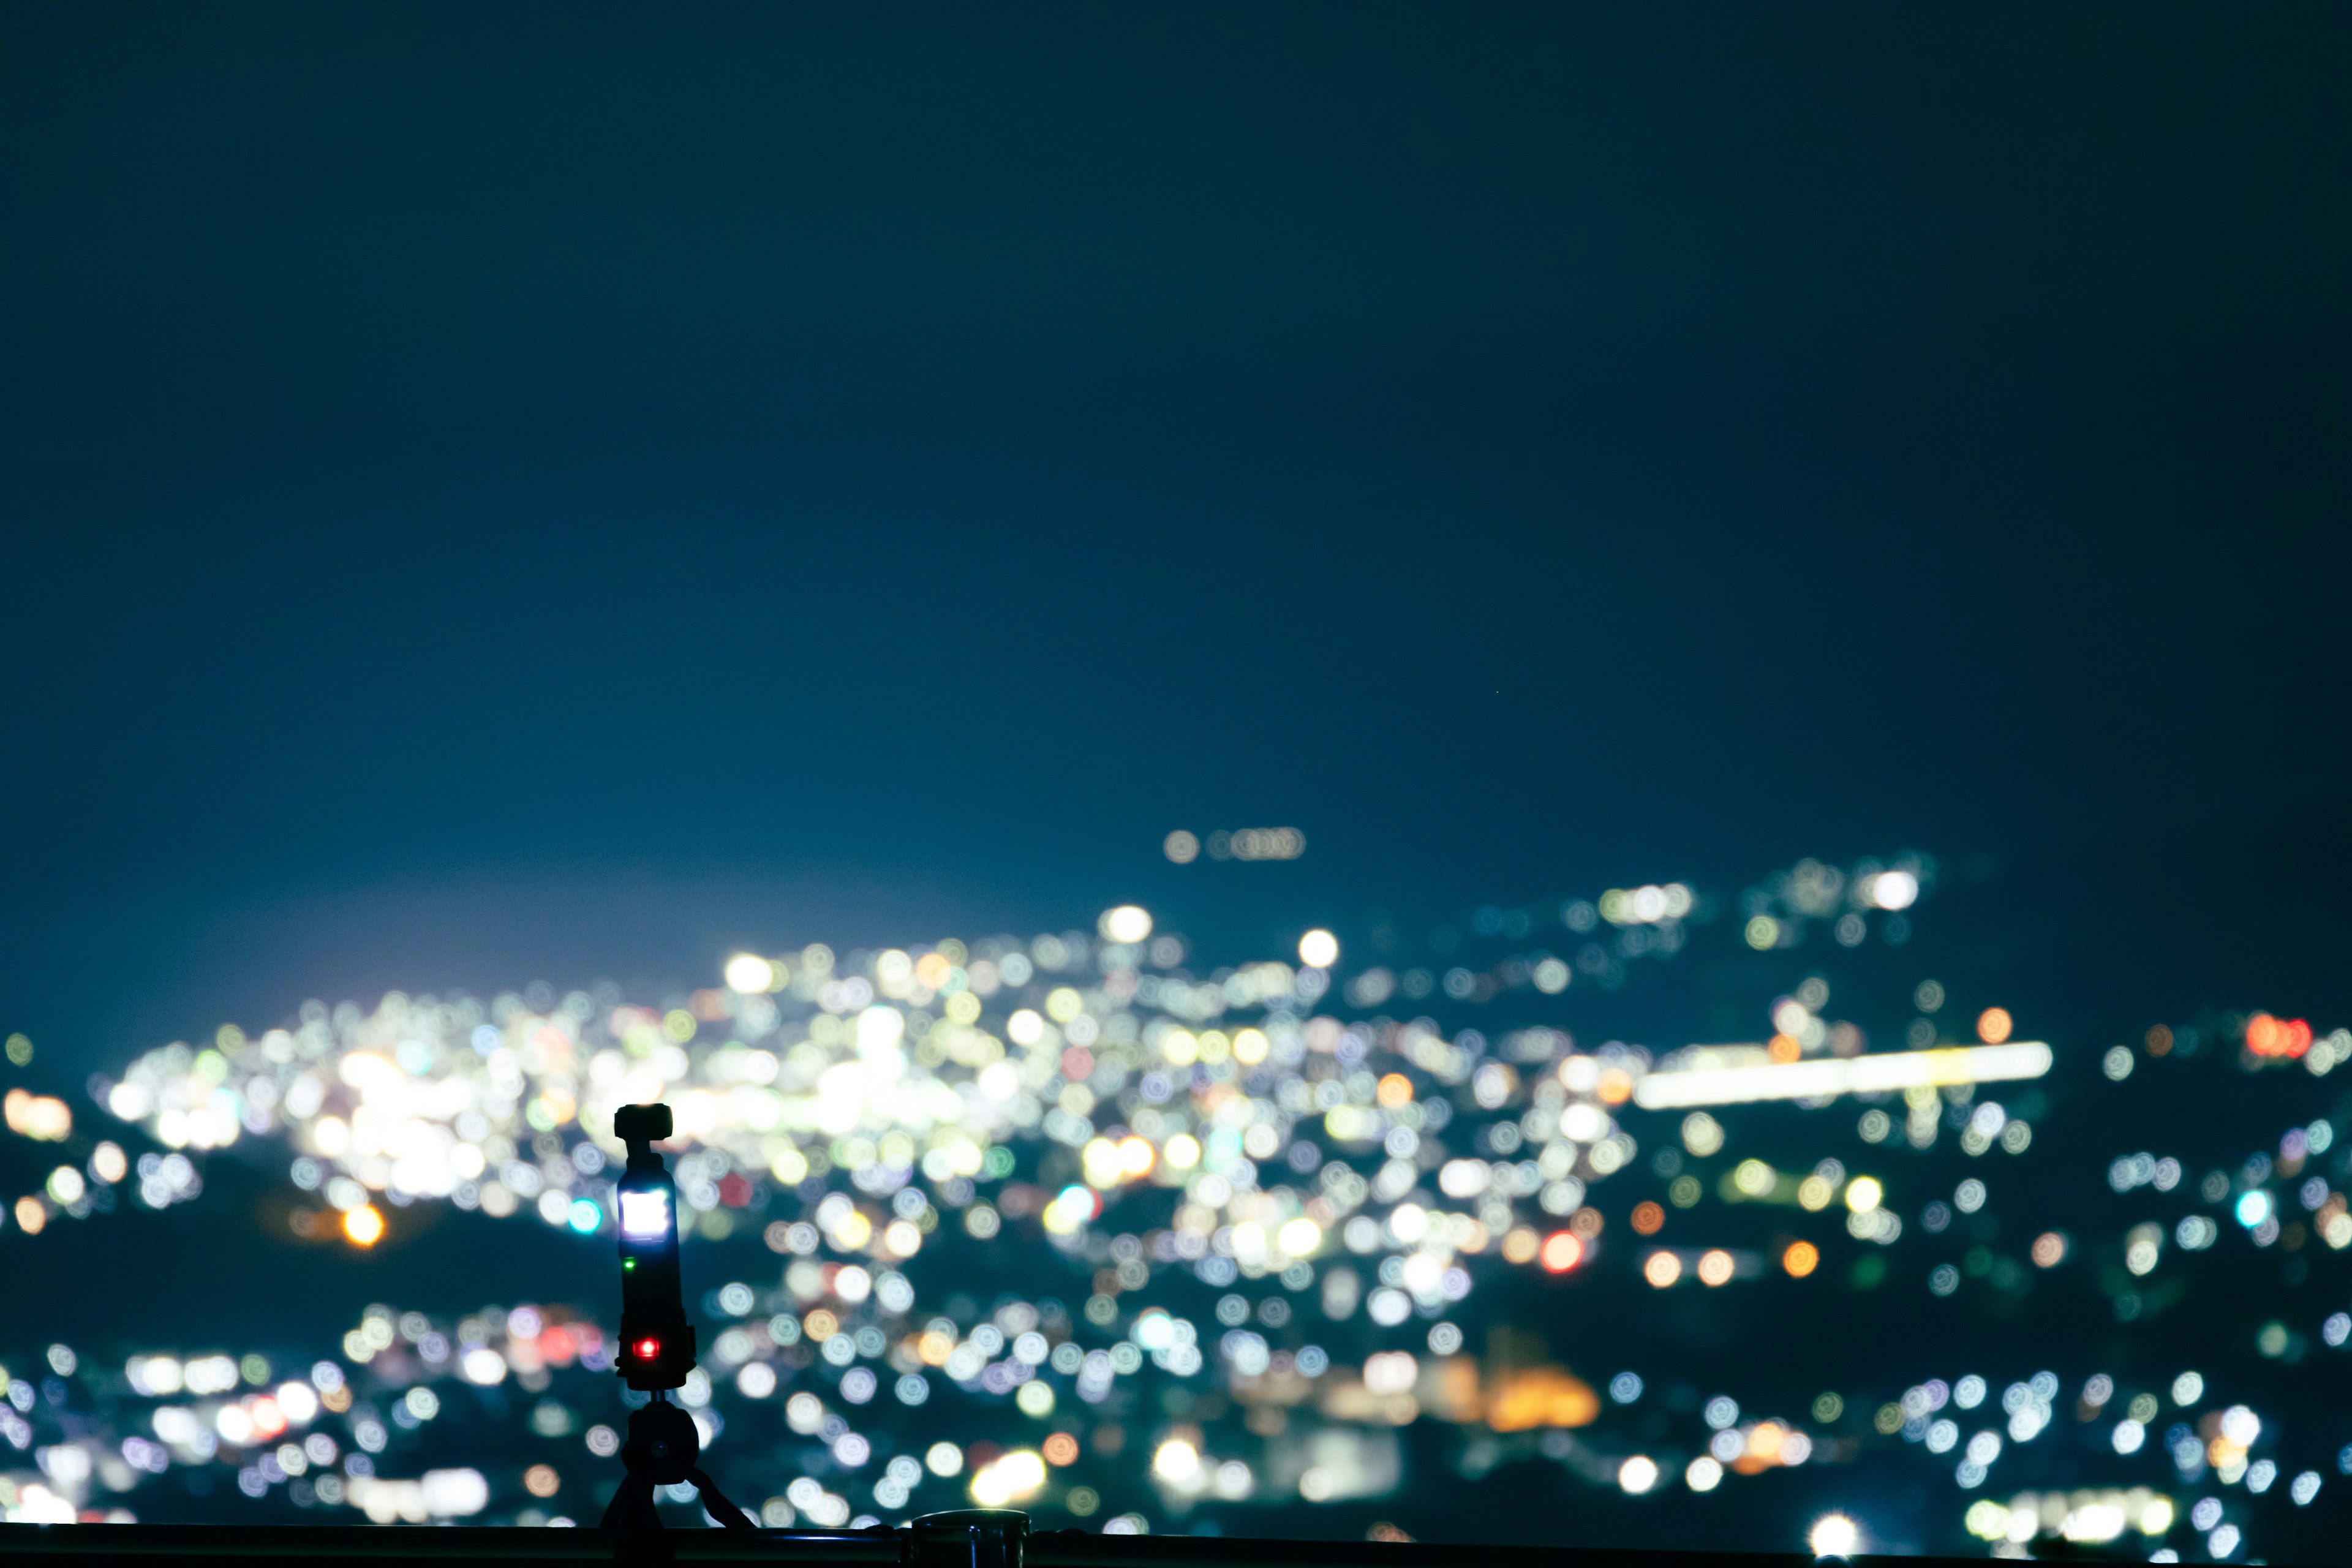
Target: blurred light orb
x=1702 y=1133
x=1833 y=1535
x=1993 y=1026
x=748 y=972
x=1176 y=1460
x=1011 y=1479
x=40 y=1117
x=2269 y=1036
x=1180 y=846
x=363 y=1226
x=1894 y=889
x=1127 y=923
x=1562 y=1251
x=1863 y=1194
x=1637 y=1475
x=1319 y=949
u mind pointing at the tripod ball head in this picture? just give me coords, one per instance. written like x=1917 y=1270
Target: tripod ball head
x=663 y=1444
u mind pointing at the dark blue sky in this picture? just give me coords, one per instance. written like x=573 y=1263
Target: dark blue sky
x=563 y=488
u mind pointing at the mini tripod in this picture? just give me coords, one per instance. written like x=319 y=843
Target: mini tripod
x=663 y=1449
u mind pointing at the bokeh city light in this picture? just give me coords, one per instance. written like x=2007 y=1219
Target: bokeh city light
x=1272 y=1220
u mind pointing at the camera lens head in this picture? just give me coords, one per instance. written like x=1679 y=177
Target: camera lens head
x=641 y=1123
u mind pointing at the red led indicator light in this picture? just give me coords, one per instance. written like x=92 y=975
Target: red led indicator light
x=648 y=1349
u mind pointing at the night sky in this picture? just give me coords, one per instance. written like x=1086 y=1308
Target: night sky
x=560 y=492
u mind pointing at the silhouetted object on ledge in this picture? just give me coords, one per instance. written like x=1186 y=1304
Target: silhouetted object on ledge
x=968 y=1538
x=656 y=1342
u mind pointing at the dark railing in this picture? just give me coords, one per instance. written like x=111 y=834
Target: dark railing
x=976 y=1538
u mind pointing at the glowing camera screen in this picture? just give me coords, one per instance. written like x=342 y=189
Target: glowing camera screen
x=644 y=1215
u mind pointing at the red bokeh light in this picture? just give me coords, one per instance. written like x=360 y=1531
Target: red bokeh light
x=2269 y=1036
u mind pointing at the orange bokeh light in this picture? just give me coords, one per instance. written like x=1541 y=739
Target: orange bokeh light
x=1662 y=1270
x=2269 y=1036
x=1993 y=1026
x=1061 y=1449
x=1647 y=1218
x=1802 y=1259
x=1396 y=1089
x=1562 y=1251
x=363 y=1227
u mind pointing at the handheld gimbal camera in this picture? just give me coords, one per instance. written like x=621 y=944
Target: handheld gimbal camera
x=656 y=1348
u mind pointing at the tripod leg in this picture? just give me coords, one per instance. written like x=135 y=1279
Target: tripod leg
x=723 y=1510
x=631 y=1507
x=644 y=1543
